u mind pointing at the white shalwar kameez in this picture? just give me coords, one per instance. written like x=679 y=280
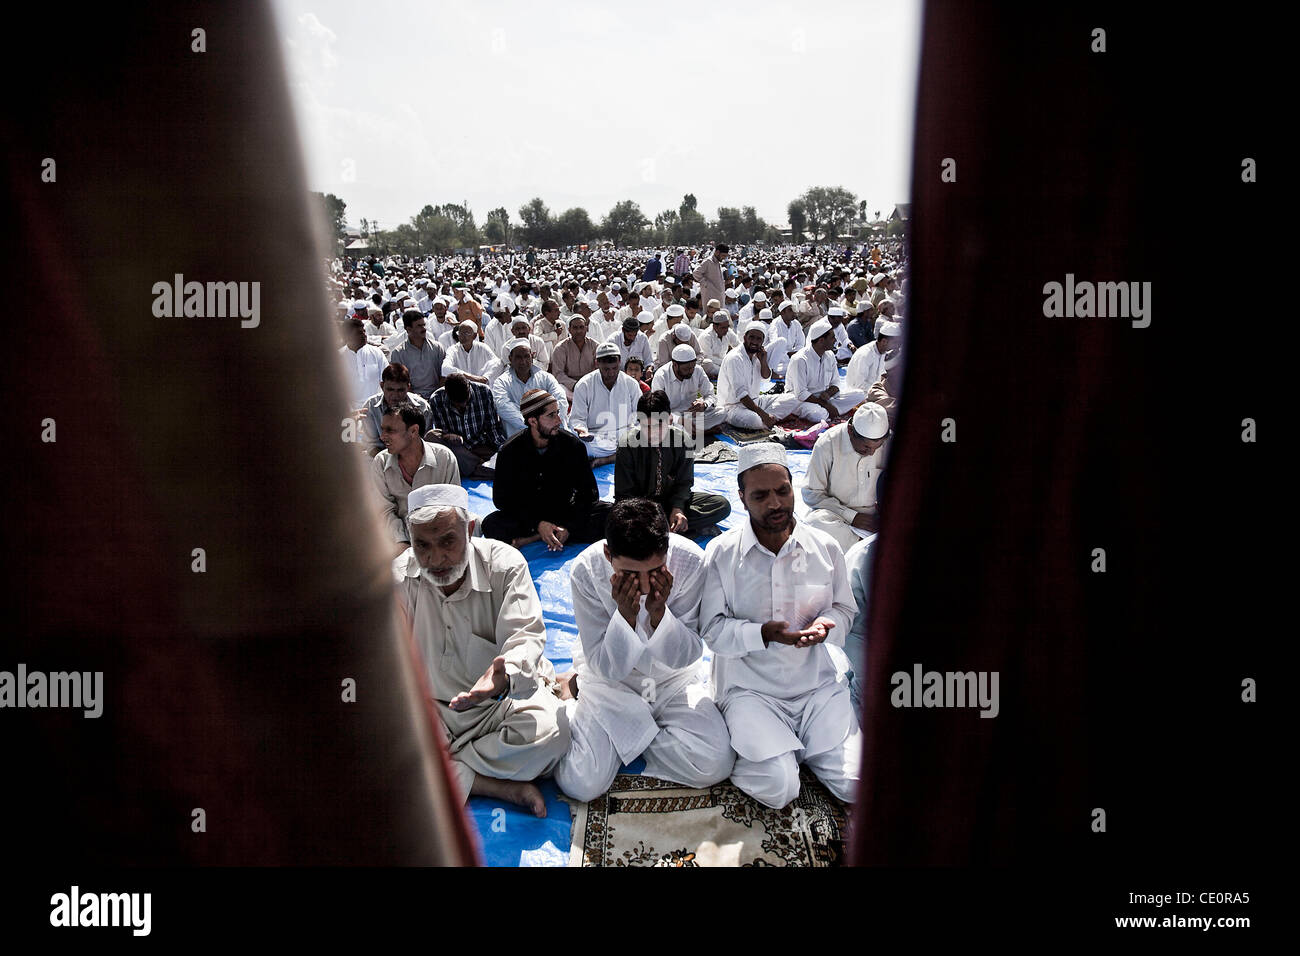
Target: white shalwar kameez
x=605 y=412
x=740 y=376
x=840 y=484
x=784 y=705
x=810 y=375
x=640 y=692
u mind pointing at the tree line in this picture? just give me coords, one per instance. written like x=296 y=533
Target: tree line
x=819 y=214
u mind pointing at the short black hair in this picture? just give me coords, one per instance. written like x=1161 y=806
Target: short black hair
x=457 y=387
x=723 y=247
x=636 y=529
x=410 y=415
x=410 y=317
x=396 y=372
x=652 y=402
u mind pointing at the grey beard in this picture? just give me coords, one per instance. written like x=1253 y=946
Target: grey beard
x=451 y=577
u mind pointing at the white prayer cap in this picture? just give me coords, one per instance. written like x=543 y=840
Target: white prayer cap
x=616 y=284
x=760 y=296
x=713 y=304
x=836 y=311
x=683 y=353
x=437 y=496
x=467 y=324
x=519 y=320
x=516 y=343
x=765 y=315
x=878 y=278
x=722 y=315
x=880 y=320
x=681 y=332
x=504 y=303
x=733 y=294
x=818 y=329
x=675 y=310
x=360 y=305
x=787 y=304
x=760 y=453
x=891 y=328
x=752 y=325
x=409 y=304
x=442 y=299
x=606 y=349
x=871 y=421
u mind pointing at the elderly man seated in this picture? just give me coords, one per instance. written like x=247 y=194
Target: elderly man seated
x=521 y=376
x=840 y=484
x=477 y=622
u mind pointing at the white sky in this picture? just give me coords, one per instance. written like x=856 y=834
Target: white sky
x=589 y=103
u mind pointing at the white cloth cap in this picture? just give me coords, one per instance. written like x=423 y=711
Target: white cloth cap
x=437 y=496
x=787 y=304
x=818 y=329
x=733 y=294
x=681 y=332
x=871 y=421
x=836 y=311
x=760 y=453
x=765 y=315
x=675 y=310
x=890 y=328
x=467 y=324
x=515 y=343
x=683 y=353
x=605 y=349
x=760 y=296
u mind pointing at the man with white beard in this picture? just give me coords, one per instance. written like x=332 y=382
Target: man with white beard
x=477 y=621
x=775 y=592
x=636 y=598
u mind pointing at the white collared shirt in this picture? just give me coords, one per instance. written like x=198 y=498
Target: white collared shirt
x=746 y=586
x=838 y=478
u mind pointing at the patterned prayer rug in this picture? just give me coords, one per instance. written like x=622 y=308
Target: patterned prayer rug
x=644 y=821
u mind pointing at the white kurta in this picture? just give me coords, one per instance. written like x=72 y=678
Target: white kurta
x=784 y=705
x=479 y=360
x=640 y=348
x=791 y=331
x=681 y=392
x=864 y=368
x=640 y=689
x=605 y=412
x=541 y=353
x=810 y=375
x=715 y=349
x=741 y=376
x=363 y=369
x=840 y=484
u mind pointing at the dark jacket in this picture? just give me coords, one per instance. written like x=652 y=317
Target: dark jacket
x=558 y=486
x=634 y=469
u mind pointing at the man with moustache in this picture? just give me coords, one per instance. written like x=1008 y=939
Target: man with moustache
x=740 y=385
x=477 y=621
x=775 y=592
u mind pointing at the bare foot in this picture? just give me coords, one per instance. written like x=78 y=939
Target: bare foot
x=520 y=542
x=520 y=793
x=568 y=685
